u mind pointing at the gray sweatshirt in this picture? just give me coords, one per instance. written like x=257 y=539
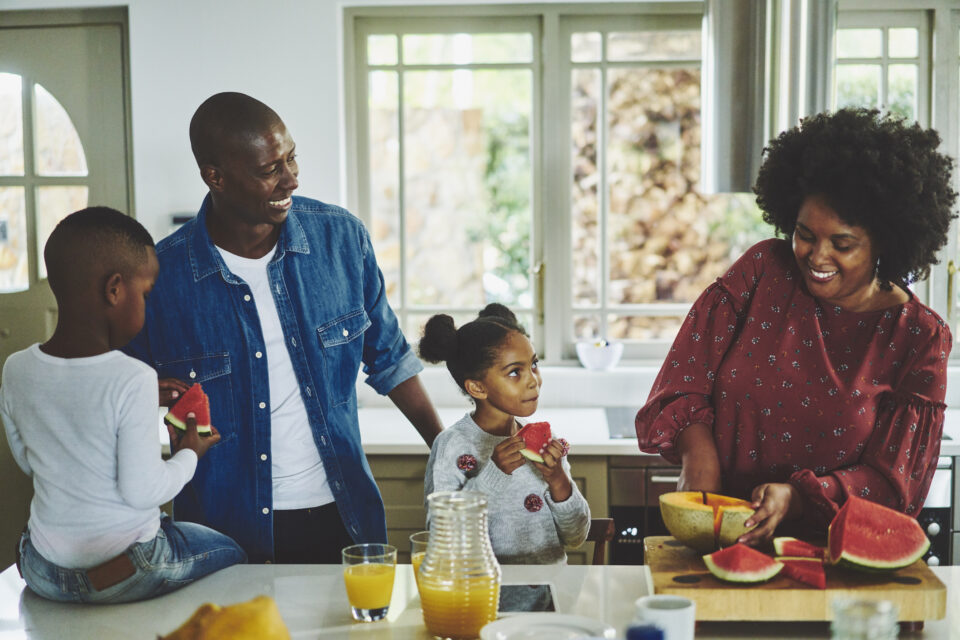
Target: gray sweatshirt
x=526 y=525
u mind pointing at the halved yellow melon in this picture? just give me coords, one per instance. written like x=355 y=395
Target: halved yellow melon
x=704 y=521
x=256 y=619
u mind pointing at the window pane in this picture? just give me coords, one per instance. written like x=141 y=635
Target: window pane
x=904 y=43
x=53 y=205
x=11 y=125
x=467 y=185
x=382 y=49
x=384 y=172
x=586 y=328
x=58 y=148
x=902 y=91
x=643 y=327
x=858 y=85
x=14 y=275
x=467 y=48
x=585 y=47
x=585 y=204
x=859 y=43
x=653 y=45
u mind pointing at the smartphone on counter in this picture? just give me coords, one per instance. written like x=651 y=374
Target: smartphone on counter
x=524 y=598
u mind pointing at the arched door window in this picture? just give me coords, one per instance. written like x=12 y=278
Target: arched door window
x=43 y=176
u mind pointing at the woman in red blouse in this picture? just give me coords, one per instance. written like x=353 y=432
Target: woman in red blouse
x=810 y=372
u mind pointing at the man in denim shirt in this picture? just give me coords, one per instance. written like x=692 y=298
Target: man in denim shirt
x=273 y=302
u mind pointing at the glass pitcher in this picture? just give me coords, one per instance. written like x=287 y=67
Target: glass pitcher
x=459 y=576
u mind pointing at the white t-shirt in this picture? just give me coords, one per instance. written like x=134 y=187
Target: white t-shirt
x=85 y=429
x=299 y=479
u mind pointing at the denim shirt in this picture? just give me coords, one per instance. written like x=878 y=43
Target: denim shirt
x=202 y=326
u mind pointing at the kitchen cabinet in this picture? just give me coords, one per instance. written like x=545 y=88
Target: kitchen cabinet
x=400 y=478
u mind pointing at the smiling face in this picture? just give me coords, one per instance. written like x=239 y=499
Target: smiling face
x=255 y=179
x=512 y=383
x=837 y=260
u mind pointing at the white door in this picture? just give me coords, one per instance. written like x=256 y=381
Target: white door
x=63 y=144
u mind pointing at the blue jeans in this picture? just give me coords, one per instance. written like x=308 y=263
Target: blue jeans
x=181 y=553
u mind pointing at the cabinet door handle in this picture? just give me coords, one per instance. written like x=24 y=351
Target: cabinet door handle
x=665 y=479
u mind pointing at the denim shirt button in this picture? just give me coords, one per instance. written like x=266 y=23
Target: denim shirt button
x=263 y=405
x=258 y=354
x=309 y=393
x=345 y=333
x=263 y=456
x=193 y=374
x=323 y=440
x=246 y=298
x=265 y=511
x=293 y=341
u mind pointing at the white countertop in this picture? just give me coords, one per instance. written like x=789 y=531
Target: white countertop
x=313 y=604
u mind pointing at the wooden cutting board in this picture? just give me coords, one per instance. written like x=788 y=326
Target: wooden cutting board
x=678 y=569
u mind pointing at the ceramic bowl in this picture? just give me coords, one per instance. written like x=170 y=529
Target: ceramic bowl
x=599 y=355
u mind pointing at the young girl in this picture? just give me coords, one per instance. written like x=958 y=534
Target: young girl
x=534 y=509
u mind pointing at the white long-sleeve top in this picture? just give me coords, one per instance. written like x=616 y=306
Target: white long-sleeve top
x=85 y=430
x=526 y=525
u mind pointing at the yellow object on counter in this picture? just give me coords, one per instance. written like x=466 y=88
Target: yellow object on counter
x=257 y=619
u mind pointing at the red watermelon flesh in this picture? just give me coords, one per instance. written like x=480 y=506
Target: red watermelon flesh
x=806 y=570
x=195 y=401
x=535 y=436
x=797 y=548
x=741 y=563
x=868 y=536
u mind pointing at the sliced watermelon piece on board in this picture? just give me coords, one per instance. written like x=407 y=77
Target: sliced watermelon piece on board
x=535 y=436
x=195 y=401
x=795 y=548
x=806 y=570
x=870 y=537
x=741 y=563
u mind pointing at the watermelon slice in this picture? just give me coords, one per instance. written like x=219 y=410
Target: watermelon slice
x=792 y=547
x=535 y=436
x=870 y=537
x=806 y=570
x=741 y=563
x=196 y=401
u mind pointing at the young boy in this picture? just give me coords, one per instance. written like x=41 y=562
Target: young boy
x=81 y=419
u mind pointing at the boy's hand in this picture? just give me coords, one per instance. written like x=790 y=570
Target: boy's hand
x=170 y=391
x=506 y=455
x=191 y=439
x=552 y=471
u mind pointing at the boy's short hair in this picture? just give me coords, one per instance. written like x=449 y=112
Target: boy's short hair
x=93 y=243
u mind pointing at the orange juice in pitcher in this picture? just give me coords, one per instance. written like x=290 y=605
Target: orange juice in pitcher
x=459 y=611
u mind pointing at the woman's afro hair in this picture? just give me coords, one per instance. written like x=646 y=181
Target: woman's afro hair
x=876 y=172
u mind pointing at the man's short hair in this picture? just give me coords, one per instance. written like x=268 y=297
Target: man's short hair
x=93 y=243
x=224 y=119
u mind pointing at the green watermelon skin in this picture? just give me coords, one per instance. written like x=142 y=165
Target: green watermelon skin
x=742 y=564
x=196 y=401
x=795 y=548
x=535 y=435
x=870 y=537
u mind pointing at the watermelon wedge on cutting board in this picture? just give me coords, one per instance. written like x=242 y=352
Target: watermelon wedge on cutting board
x=195 y=401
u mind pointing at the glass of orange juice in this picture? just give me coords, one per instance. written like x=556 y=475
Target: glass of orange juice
x=418 y=549
x=368 y=571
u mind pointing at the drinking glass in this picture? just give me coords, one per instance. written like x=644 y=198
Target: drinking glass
x=368 y=571
x=418 y=548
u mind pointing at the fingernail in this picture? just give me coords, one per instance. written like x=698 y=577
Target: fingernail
x=175 y=394
x=191 y=414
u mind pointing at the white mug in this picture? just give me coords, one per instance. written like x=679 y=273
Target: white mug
x=676 y=615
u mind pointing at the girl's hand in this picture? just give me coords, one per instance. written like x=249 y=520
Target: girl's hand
x=171 y=390
x=506 y=455
x=552 y=471
x=774 y=502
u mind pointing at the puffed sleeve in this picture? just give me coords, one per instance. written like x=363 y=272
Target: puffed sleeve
x=681 y=394
x=900 y=456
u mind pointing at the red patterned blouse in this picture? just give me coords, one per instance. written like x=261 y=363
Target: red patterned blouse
x=835 y=402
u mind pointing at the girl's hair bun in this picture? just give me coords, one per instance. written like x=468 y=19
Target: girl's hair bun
x=497 y=310
x=439 y=340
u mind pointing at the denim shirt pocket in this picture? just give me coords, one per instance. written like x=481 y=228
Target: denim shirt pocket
x=342 y=351
x=212 y=370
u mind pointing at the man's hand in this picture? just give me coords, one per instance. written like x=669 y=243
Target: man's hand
x=506 y=455
x=552 y=471
x=170 y=391
x=191 y=438
x=774 y=502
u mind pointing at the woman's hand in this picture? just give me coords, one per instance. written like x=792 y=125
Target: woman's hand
x=774 y=502
x=506 y=455
x=698 y=455
x=552 y=471
x=171 y=390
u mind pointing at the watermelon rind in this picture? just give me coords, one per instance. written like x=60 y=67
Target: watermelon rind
x=741 y=563
x=191 y=397
x=530 y=455
x=870 y=537
x=203 y=430
x=793 y=547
